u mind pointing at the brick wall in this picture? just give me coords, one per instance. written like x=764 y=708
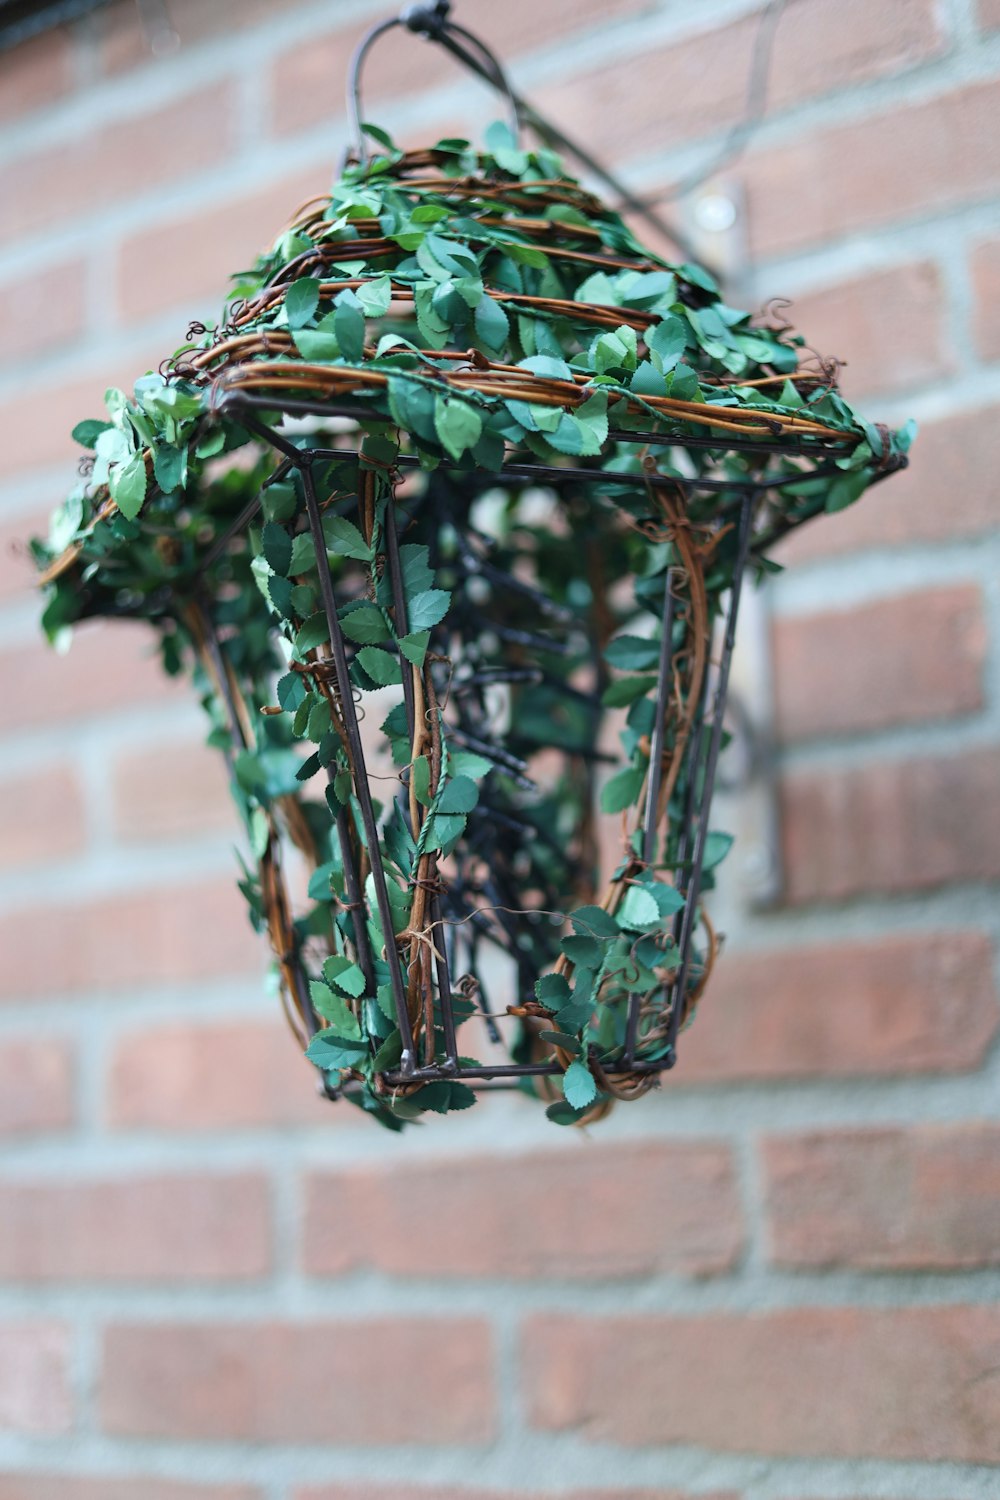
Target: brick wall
x=777 y=1279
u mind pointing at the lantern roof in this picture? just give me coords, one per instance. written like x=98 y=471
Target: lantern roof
x=479 y=310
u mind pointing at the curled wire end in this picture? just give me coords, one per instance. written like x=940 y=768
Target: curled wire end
x=825 y=368
x=774 y=312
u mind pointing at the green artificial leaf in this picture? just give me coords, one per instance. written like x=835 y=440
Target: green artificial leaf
x=632 y=653
x=315 y=632
x=344 y=538
x=65 y=523
x=582 y=950
x=492 y=323
x=390 y=1054
x=459 y=795
x=667 y=341
x=844 y=490
x=552 y=991
x=593 y=413
x=467 y=763
x=86 y=433
x=560 y=1039
x=170 y=467
x=458 y=425
x=623 y=692
x=318 y=345
x=334 y=1008
x=320 y=881
x=414 y=647
x=375 y=296
x=421 y=779
x=127 y=483
x=639 y=909
x=441 y=831
x=212 y=443
x=366 y=625
x=332 y=1052
x=563 y=1113
x=345 y=974
x=303 y=558
x=320 y=720
x=443 y=1097
x=579 y=1086
x=301 y=301
x=277 y=547
x=594 y=921
x=378 y=134
x=380 y=666
x=622 y=791
x=428 y=608
x=349 y=326
x=717 y=846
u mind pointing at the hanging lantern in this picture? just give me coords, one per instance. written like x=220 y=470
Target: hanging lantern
x=448 y=520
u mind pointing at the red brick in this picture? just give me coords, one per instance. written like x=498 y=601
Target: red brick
x=951 y=489
x=404 y=1380
x=917 y=159
x=112 y=943
x=110 y=665
x=89 y=171
x=889 y=328
x=41 y=815
x=924 y=1199
x=37 y=72
x=579 y=1213
x=898 y=661
x=163 y=1228
x=67 y=1487
x=36 y=1085
x=403 y=65
x=986 y=288
x=920 y=1004
x=912 y=1383
x=157 y=269
x=227 y=1076
x=891 y=825
x=35 y=1390
x=42 y=311
x=687 y=88
x=170 y=791
x=123 y=43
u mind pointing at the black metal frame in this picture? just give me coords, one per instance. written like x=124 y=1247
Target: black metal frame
x=740 y=506
x=703 y=750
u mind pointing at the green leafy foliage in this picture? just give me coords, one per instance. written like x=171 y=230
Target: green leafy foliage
x=485 y=325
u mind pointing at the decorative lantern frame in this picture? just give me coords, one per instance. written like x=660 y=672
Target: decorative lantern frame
x=700 y=466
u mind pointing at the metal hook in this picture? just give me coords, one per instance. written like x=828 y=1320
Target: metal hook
x=432 y=23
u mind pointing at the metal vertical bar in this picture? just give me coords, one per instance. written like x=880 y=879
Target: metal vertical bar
x=361 y=786
x=402 y=628
x=659 y=728
x=655 y=776
x=722 y=684
x=398 y=599
x=355 y=895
